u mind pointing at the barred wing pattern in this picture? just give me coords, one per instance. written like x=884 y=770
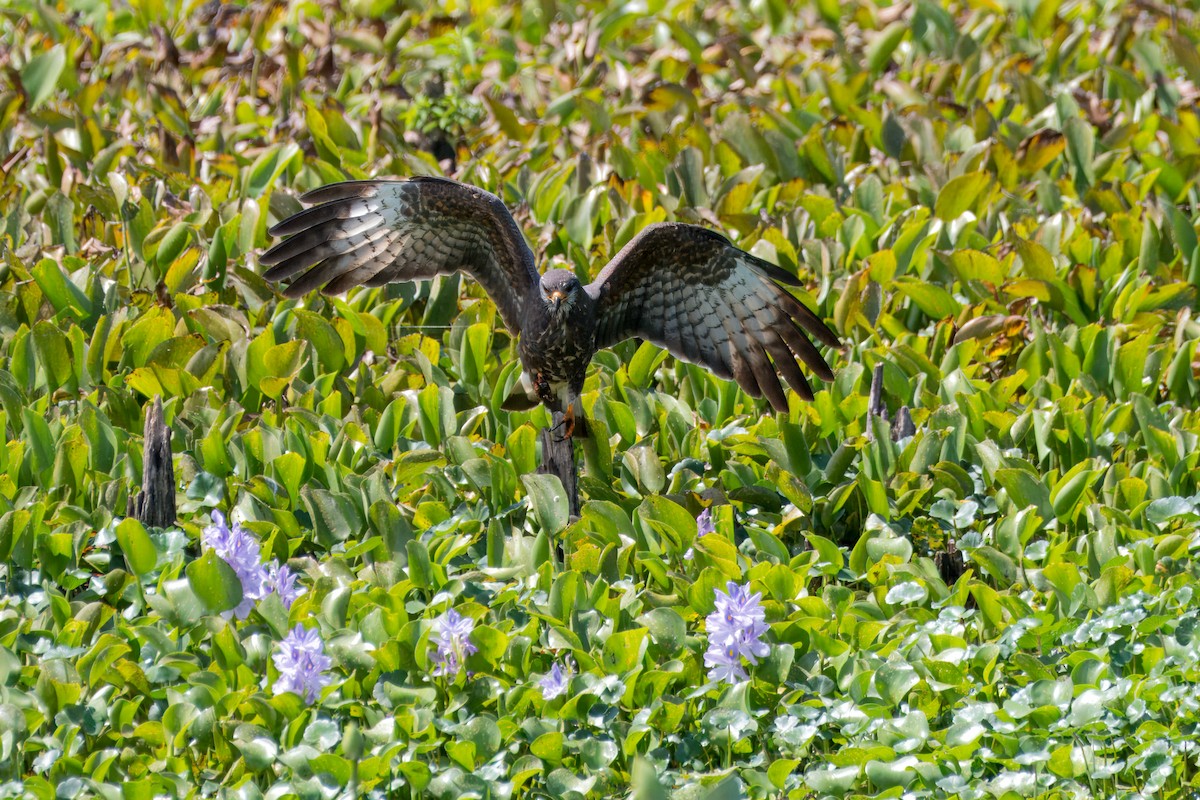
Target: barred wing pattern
x=688 y=289
x=369 y=233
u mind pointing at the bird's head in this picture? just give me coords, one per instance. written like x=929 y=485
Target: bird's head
x=560 y=290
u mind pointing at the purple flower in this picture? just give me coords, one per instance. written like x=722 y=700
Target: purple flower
x=302 y=662
x=704 y=526
x=453 y=643
x=724 y=663
x=238 y=547
x=282 y=581
x=240 y=550
x=555 y=682
x=735 y=631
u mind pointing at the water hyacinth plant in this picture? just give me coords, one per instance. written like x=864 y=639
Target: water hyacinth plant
x=735 y=631
x=704 y=526
x=240 y=549
x=453 y=642
x=302 y=664
x=993 y=203
x=555 y=681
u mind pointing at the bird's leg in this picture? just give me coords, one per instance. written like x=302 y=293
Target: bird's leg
x=571 y=424
x=566 y=424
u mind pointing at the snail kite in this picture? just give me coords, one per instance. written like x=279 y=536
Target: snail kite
x=683 y=287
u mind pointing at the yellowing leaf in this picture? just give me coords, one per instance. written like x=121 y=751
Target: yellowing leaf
x=1040 y=148
x=959 y=195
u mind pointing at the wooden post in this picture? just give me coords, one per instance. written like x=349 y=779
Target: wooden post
x=558 y=458
x=154 y=505
x=902 y=426
x=875 y=405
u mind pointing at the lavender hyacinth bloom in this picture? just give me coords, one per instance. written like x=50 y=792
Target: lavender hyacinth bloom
x=735 y=631
x=453 y=642
x=282 y=581
x=555 y=682
x=302 y=662
x=238 y=547
x=704 y=526
x=724 y=663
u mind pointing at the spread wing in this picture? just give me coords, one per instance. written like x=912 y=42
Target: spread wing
x=369 y=233
x=689 y=290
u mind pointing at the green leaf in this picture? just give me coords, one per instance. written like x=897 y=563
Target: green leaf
x=172 y=244
x=670 y=520
x=490 y=644
x=1024 y=489
x=1069 y=490
x=996 y=564
x=884 y=43
x=474 y=352
x=551 y=508
x=267 y=168
x=644 y=781
x=334 y=516
x=40 y=76
x=62 y=293
x=522 y=449
x=140 y=553
x=957 y=196
x=667 y=628
x=973 y=265
x=644 y=362
x=623 y=650
x=214 y=582
x=420 y=568
x=41 y=441
x=1081 y=144
x=54 y=355
x=936 y=302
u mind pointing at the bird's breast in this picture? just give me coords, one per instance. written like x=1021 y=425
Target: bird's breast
x=558 y=346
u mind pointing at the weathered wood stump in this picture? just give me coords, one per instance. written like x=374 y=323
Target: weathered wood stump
x=949 y=563
x=558 y=458
x=902 y=426
x=154 y=505
x=875 y=405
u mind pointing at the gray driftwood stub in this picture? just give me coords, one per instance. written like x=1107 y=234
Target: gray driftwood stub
x=558 y=458
x=154 y=505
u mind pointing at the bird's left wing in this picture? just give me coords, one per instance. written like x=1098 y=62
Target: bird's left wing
x=369 y=233
x=688 y=289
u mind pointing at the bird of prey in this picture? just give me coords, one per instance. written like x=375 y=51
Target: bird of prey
x=683 y=287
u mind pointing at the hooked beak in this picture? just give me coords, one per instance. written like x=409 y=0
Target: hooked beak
x=556 y=297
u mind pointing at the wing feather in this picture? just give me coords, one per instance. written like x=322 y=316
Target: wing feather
x=376 y=232
x=689 y=290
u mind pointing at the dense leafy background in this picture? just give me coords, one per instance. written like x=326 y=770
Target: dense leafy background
x=995 y=199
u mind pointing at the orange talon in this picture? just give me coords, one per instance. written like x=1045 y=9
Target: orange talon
x=567 y=423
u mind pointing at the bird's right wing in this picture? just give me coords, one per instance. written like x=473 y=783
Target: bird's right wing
x=688 y=289
x=369 y=233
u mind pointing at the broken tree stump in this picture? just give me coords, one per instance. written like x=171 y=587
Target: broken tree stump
x=154 y=505
x=558 y=458
x=902 y=426
x=875 y=405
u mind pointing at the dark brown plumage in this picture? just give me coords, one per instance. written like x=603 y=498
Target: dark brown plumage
x=683 y=287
